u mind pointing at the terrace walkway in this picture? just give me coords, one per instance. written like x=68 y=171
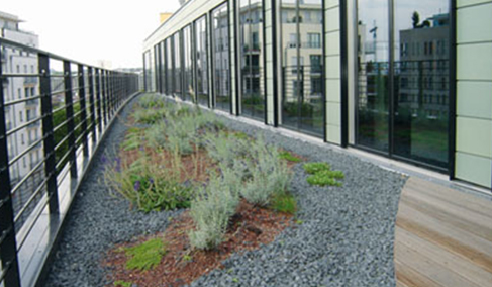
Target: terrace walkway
x=443 y=237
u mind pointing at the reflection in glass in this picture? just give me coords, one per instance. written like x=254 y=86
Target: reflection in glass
x=221 y=57
x=373 y=68
x=421 y=75
x=177 y=66
x=420 y=78
x=163 y=67
x=170 y=66
x=252 y=61
x=147 y=71
x=201 y=60
x=302 y=65
x=189 y=90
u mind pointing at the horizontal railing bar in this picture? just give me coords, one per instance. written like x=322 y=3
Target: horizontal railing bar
x=61 y=125
x=80 y=124
x=26 y=151
x=26 y=177
x=63 y=159
x=29 y=201
x=62 y=141
x=17 y=75
x=25 y=125
x=20 y=101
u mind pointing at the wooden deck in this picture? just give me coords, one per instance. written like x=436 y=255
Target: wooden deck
x=443 y=237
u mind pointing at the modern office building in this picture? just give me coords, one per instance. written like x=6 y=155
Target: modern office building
x=406 y=80
x=21 y=122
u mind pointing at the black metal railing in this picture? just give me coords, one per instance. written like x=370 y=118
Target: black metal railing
x=44 y=156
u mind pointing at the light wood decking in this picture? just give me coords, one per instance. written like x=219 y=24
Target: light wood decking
x=443 y=237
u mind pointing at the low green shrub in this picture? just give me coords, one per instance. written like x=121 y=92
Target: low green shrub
x=284 y=202
x=326 y=177
x=148 y=101
x=269 y=176
x=133 y=139
x=121 y=283
x=285 y=155
x=211 y=211
x=149 y=116
x=225 y=149
x=315 y=167
x=145 y=255
x=148 y=186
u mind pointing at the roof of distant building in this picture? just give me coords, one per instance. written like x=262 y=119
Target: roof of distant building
x=10 y=17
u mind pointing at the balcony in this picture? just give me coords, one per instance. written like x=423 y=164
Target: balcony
x=303 y=45
x=29 y=81
x=34 y=205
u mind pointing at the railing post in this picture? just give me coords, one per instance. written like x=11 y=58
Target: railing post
x=8 y=245
x=83 y=108
x=92 y=103
x=48 y=134
x=67 y=69
x=98 y=95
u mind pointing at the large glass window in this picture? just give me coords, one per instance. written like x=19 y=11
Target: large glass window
x=201 y=61
x=157 y=63
x=406 y=91
x=178 y=76
x=170 y=66
x=189 y=86
x=163 y=67
x=147 y=72
x=302 y=65
x=252 y=70
x=220 y=38
x=373 y=67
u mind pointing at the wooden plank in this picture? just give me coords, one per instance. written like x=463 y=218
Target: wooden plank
x=443 y=257
x=456 y=216
x=429 y=269
x=408 y=277
x=455 y=197
x=467 y=245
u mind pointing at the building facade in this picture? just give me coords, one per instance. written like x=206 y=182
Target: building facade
x=21 y=118
x=404 y=80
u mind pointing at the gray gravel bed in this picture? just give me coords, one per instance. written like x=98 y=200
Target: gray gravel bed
x=344 y=236
x=98 y=220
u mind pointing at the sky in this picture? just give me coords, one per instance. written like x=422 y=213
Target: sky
x=89 y=31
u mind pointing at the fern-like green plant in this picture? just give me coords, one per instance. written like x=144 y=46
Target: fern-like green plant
x=145 y=255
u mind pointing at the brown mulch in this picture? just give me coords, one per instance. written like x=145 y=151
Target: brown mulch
x=248 y=229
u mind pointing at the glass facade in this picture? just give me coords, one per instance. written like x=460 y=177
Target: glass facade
x=189 y=86
x=201 y=61
x=220 y=61
x=302 y=65
x=403 y=86
x=252 y=70
x=402 y=64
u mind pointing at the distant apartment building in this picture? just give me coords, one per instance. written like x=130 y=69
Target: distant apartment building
x=23 y=115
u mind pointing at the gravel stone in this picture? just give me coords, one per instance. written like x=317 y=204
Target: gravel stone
x=345 y=238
